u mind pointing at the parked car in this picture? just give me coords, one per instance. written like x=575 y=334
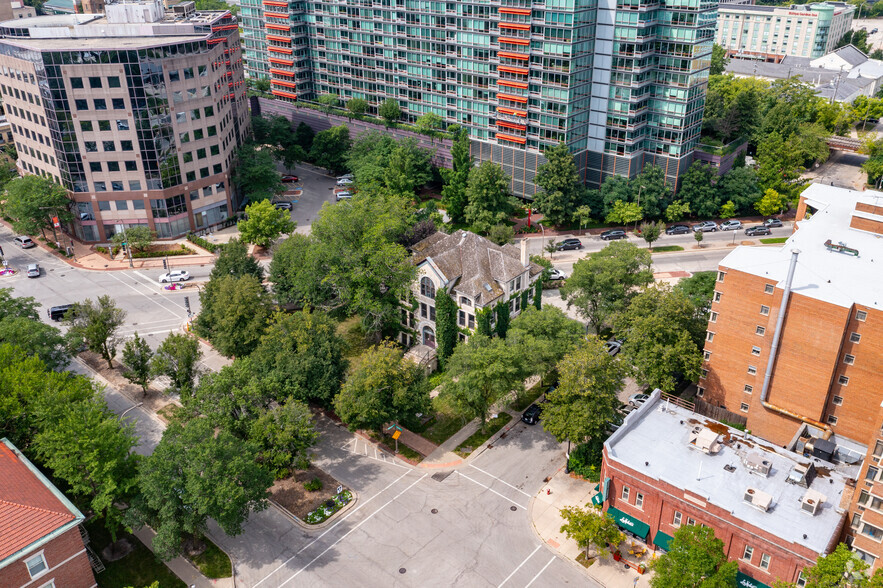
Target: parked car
x=24 y=242
x=556 y=274
x=33 y=270
x=613 y=234
x=705 y=227
x=531 y=416
x=57 y=313
x=282 y=205
x=174 y=276
x=571 y=243
x=638 y=399
x=345 y=177
x=874 y=31
x=613 y=346
x=343 y=196
x=731 y=225
x=615 y=422
x=772 y=223
x=758 y=230
x=677 y=230
x=290 y=178
x=344 y=181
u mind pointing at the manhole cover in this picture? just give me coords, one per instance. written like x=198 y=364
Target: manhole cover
x=402 y=570
x=440 y=476
x=513 y=508
x=434 y=511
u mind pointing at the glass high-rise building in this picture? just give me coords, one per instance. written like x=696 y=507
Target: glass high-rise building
x=621 y=82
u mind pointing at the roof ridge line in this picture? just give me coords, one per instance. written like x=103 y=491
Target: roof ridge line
x=37 y=508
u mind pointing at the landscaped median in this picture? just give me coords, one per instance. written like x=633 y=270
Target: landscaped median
x=311 y=496
x=491 y=427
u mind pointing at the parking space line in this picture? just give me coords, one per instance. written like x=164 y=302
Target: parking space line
x=492 y=490
x=500 y=480
x=524 y=561
x=540 y=572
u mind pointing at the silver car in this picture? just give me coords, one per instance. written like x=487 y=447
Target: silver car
x=33 y=270
x=731 y=225
x=705 y=227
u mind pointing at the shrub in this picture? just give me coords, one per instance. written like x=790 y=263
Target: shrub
x=313 y=485
x=100 y=249
x=585 y=460
x=170 y=253
x=211 y=247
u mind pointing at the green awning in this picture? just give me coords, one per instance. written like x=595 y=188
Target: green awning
x=661 y=540
x=598 y=499
x=746 y=581
x=629 y=523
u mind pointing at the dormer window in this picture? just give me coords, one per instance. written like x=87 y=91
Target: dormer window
x=427 y=288
x=465 y=301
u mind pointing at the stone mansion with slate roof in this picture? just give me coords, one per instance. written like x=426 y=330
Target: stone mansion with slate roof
x=476 y=272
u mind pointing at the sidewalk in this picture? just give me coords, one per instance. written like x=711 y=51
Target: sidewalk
x=546 y=521
x=183 y=568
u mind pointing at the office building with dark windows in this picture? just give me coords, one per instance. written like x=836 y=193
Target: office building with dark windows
x=137 y=112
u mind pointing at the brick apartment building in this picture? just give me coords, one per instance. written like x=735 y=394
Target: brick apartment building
x=775 y=510
x=809 y=375
x=40 y=542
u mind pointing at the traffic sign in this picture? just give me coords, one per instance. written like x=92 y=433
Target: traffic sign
x=55 y=222
x=397 y=434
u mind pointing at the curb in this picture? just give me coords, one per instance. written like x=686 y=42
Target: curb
x=332 y=519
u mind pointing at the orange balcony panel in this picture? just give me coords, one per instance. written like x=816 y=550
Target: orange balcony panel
x=214 y=41
x=510 y=40
x=520 y=140
x=284 y=94
x=510 y=69
x=509 y=111
x=279 y=38
x=285 y=83
x=516 y=26
x=286 y=50
x=281 y=72
x=277 y=27
x=509 y=125
x=509 y=55
x=521 y=99
x=275 y=3
x=276 y=14
x=506 y=10
x=511 y=84
x=278 y=61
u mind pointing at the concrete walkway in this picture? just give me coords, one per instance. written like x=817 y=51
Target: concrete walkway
x=422 y=446
x=183 y=568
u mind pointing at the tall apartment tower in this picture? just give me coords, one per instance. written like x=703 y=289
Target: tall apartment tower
x=137 y=112
x=621 y=82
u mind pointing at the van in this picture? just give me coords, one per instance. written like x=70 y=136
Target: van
x=57 y=313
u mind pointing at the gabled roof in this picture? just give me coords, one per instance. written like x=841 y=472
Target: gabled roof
x=31 y=508
x=851 y=55
x=479 y=268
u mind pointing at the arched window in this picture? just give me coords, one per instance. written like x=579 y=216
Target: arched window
x=427 y=288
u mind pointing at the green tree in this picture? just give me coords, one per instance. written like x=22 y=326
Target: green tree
x=177 y=358
x=216 y=5
x=357 y=106
x=390 y=111
x=385 y=387
x=590 y=528
x=96 y=325
x=17 y=306
x=330 y=147
x=197 y=473
x=650 y=232
x=234 y=315
x=446 y=331
x=501 y=234
x=32 y=201
x=138 y=237
x=481 y=371
x=695 y=559
x=663 y=336
x=328 y=102
x=297 y=274
x=697 y=191
x=234 y=260
x=771 y=203
x=583 y=215
x=739 y=185
x=842 y=567
x=585 y=400
x=699 y=288
x=91 y=450
x=36 y=338
x=288 y=149
x=777 y=168
x=264 y=223
x=651 y=191
x=456 y=179
x=728 y=209
x=538 y=295
x=614 y=189
x=502 y=319
x=560 y=189
x=719 y=60
x=677 y=210
x=545 y=336
x=232 y=398
x=303 y=136
x=698 y=235
x=284 y=435
x=136 y=357
x=603 y=283
x=255 y=173
x=483 y=322
x=625 y=213
x=429 y=123
x=408 y=168
x=488 y=195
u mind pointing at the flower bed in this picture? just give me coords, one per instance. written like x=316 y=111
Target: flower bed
x=328 y=508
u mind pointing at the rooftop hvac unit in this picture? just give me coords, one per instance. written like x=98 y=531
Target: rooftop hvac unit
x=705 y=440
x=756 y=464
x=821 y=448
x=811 y=502
x=758 y=499
x=802 y=475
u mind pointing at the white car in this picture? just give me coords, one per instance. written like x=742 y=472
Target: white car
x=638 y=399
x=344 y=181
x=282 y=205
x=343 y=196
x=345 y=177
x=731 y=225
x=174 y=276
x=556 y=274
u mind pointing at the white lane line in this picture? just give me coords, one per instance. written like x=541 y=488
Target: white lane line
x=491 y=489
x=148 y=297
x=499 y=480
x=331 y=528
x=540 y=572
x=363 y=521
x=158 y=332
x=524 y=561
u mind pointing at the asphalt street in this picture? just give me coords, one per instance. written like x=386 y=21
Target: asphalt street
x=317 y=188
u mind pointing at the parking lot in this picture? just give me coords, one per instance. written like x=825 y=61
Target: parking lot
x=316 y=187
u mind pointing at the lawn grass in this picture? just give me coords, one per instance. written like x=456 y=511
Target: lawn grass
x=139 y=568
x=772 y=240
x=583 y=560
x=527 y=398
x=390 y=444
x=440 y=427
x=483 y=434
x=213 y=563
x=355 y=342
x=666 y=248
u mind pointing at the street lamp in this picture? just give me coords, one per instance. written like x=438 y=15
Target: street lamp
x=543 y=229
x=133 y=407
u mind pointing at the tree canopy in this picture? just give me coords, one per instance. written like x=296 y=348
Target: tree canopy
x=695 y=559
x=264 y=223
x=32 y=201
x=561 y=191
x=489 y=201
x=256 y=173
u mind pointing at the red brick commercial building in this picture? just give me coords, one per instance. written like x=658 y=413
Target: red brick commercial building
x=795 y=343
x=40 y=542
x=775 y=511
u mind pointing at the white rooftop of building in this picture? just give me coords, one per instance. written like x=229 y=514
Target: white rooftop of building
x=823 y=274
x=714 y=462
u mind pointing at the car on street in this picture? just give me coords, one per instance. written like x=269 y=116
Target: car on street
x=57 y=313
x=570 y=244
x=282 y=205
x=33 y=270
x=731 y=225
x=677 y=230
x=556 y=274
x=613 y=347
x=345 y=177
x=289 y=178
x=344 y=182
x=174 y=276
x=772 y=223
x=24 y=242
x=638 y=399
x=758 y=230
x=531 y=416
x=343 y=196
x=705 y=227
x=873 y=31
x=613 y=234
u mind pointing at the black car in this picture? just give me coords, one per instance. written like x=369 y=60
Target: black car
x=613 y=234
x=531 y=416
x=678 y=230
x=570 y=244
x=758 y=230
x=772 y=223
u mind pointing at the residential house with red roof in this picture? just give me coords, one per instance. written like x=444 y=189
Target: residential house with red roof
x=40 y=541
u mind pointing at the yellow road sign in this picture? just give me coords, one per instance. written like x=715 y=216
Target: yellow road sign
x=396 y=434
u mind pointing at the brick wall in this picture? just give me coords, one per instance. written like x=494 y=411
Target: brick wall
x=68 y=565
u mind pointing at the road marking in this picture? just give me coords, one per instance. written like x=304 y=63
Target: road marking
x=540 y=572
x=363 y=521
x=524 y=561
x=331 y=528
x=148 y=297
x=500 y=480
x=491 y=489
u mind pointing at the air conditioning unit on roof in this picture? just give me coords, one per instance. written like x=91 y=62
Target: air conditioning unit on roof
x=756 y=464
x=758 y=499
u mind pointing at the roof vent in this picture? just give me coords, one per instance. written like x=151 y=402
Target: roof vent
x=756 y=464
x=758 y=499
x=802 y=475
x=811 y=502
x=487 y=287
x=705 y=440
x=729 y=468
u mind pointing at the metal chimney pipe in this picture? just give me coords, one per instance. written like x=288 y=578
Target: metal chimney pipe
x=780 y=320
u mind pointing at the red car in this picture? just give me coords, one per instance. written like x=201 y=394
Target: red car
x=289 y=179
